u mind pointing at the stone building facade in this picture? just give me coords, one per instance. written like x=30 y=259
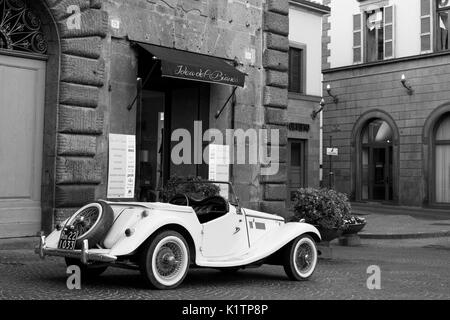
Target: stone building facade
x=91 y=67
x=391 y=117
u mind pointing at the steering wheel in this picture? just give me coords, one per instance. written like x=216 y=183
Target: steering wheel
x=180 y=199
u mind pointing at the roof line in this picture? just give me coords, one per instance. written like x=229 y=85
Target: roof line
x=311 y=5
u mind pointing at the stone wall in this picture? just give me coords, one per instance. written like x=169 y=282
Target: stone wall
x=362 y=89
x=275 y=99
x=80 y=116
x=326 y=39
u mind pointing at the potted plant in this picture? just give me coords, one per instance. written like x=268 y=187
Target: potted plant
x=175 y=186
x=324 y=208
x=354 y=224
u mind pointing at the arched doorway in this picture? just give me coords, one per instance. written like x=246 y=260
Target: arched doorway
x=441 y=143
x=23 y=97
x=375 y=158
x=377 y=161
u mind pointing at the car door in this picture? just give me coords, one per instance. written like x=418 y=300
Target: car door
x=225 y=236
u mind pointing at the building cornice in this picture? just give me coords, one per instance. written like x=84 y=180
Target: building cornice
x=313 y=6
x=386 y=62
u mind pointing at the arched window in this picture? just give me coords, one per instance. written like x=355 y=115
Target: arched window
x=376 y=161
x=20 y=28
x=442 y=160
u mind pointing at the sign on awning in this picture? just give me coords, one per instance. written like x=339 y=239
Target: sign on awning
x=194 y=66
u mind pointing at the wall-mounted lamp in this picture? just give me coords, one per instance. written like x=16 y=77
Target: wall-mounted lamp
x=335 y=98
x=315 y=113
x=406 y=85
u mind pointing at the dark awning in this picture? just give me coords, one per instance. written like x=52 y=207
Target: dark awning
x=194 y=66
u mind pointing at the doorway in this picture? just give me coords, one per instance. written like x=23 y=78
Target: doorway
x=22 y=95
x=377 y=161
x=167 y=104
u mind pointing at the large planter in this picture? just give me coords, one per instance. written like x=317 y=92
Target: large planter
x=354 y=228
x=329 y=234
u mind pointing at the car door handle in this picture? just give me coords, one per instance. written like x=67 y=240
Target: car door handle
x=237 y=230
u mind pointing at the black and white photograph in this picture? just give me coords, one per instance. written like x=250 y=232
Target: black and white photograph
x=218 y=156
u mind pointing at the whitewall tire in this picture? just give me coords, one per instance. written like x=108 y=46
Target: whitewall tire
x=300 y=258
x=165 y=260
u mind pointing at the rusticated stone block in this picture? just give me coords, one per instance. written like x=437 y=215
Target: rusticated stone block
x=276 y=116
x=277 y=42
x=275 y=97
x=62 y=8
x=275 y=207
x=277 y=79
x=276 y=23
x=74 y=196
x=89 y=47
x=63 y=214
x=78 y=95
x=275 y=60
x=82 y=70
x=76 y=145
x=278 y=6
x=280 y=177
x=80 y=120
x=77 y=171
x=93 y=23
x=275 y=192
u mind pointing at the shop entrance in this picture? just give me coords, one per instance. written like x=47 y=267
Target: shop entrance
x=167 y=105
x=377 y=161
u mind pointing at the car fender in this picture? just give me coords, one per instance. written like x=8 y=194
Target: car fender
x=145 y=228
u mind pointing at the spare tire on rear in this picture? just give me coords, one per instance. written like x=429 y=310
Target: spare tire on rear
x=93 y=222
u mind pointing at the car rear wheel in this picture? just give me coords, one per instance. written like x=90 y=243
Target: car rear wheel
x=300 y=258
x=164 y=260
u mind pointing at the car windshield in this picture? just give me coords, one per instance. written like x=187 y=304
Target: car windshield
x=199 y=190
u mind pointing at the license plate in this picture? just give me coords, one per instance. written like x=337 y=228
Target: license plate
x=68 y=240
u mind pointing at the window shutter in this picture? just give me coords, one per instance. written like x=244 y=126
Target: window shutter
x=426 y=26
x=357 y=38
x=389 y=32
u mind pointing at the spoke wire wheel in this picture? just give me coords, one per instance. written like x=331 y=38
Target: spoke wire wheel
x=301 y=259
x=86 y=219
x=305 y=257
x=92 y=222
x=166 y=260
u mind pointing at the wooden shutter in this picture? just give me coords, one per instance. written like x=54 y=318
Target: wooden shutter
x=426 y=26
x=295 y=70
x=389 y=32
x=357 y=38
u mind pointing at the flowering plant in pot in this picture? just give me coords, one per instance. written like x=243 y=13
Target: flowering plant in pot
x=354 y=224
x=324 y=208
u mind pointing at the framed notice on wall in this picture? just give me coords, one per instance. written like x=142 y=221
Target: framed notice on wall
x=219 y=165
x=122 y=166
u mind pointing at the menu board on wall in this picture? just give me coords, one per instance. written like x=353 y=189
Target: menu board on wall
x=122 y=166
x=219 y=166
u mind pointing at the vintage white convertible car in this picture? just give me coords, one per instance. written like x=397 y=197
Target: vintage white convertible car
x=163 y=240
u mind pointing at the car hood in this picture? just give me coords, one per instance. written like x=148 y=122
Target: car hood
x=262 y=215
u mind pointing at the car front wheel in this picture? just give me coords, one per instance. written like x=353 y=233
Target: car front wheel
x=300 y=258
x=165 y=260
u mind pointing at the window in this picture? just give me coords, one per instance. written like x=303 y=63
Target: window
x=297 y=166
x=442 y=27
x=442 y=160
x=296 y=70
x=374 y=35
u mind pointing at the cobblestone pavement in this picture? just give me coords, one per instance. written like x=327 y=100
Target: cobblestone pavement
x=410 y=270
